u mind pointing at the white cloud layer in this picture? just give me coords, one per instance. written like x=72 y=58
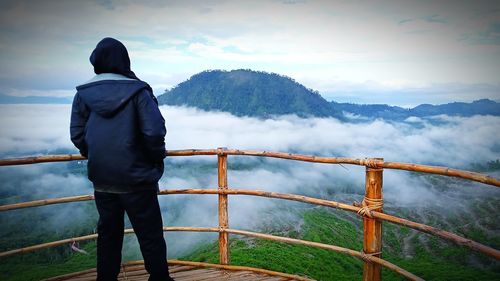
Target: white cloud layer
x=465 y=140
x=45 y=128
x=455 y=142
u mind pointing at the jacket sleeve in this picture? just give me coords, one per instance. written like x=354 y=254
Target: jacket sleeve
x=152 y=125
x=79 y=117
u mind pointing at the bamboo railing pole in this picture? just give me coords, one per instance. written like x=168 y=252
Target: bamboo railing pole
x=47 y=245
x=372 y=228
x=223 y=216
x=444 y=171
x=457 y=239
x=44 y=202
x=297 y=157
x=191 y=152
x=188 y=229
x=40 y=159
x=94 y=236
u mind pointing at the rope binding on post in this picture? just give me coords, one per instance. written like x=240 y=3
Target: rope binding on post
x=365 y=256
x=368 y=205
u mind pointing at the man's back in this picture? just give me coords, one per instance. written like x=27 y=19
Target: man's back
x=123 y=135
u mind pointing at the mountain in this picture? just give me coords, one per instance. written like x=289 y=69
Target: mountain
x=245 y=92
x=5 y=99
x=248 y=93
x=383 y=111
x=478 y=107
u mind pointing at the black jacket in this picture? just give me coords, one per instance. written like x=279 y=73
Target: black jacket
x=117 y=125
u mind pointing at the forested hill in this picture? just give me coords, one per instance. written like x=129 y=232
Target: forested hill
x=255 y=93
x=479 y=107
x=247 y=93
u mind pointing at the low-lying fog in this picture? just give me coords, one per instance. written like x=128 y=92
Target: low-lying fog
x=449 y=141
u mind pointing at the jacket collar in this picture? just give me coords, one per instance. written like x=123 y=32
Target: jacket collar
x=107 y=76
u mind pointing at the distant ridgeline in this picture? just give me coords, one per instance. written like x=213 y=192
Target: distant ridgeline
x=6 y=99
x=261 y=94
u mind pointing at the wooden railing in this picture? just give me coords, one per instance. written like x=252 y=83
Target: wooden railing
x=371 y=209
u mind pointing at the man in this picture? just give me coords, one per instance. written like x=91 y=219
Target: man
x=116 y=124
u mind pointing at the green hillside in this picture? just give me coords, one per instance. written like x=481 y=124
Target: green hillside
x=247 y=93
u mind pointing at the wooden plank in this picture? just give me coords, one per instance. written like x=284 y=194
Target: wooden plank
x=191 y=273
x=175 y=269
x=239 y=267
x=187 y=273
x=134 y=273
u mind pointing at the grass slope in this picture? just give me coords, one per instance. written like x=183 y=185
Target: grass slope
x=443 y=262
x=42 y=264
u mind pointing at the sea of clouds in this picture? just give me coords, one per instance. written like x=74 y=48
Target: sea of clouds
x=450 y=141
x=459 y=140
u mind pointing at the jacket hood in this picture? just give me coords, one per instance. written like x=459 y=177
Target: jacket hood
x=111 y=56
x=107 y=97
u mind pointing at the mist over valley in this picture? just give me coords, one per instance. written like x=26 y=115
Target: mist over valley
x=459 y=206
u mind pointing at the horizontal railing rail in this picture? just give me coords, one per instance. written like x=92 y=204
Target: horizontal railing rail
x=374 y=163
x=475 y=246
x=370 y=209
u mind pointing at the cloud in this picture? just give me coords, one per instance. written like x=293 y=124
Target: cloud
x=455 y=142
x=414 y=119
x=435 y=19
x=293 y=2
x=45 y=128
x=490 y=36
x=346 y=40
x=108 y=4
x=404 y=21
x=393 y=141
x=34 y=129
x=38 y=182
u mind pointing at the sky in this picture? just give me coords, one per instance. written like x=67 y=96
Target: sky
x=395 y=52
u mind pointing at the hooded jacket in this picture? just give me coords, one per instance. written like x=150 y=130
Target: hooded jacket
x=116 y=124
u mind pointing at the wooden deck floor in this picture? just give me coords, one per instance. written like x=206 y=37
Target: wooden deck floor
x=187 y=271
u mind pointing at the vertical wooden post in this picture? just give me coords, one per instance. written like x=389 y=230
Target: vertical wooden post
x=372 y=244
x=223 y=217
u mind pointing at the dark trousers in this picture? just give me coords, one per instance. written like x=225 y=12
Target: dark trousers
x=144 y=213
